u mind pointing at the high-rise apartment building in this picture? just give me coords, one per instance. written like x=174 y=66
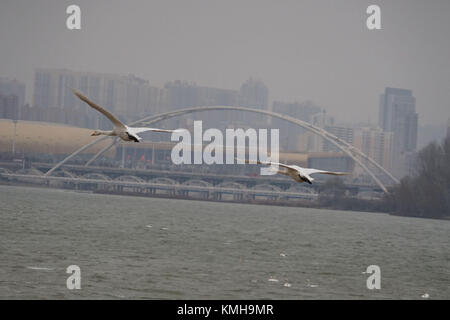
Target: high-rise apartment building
x=254 y=94
x=127 y=96
x=182 y=94
x=376 y=144
x=311 y=142
x=13 y=87
x=398 y=115
x=9 y=107
x=344 y=133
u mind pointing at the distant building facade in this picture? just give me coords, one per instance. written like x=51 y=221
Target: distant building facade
x=375 y=143
x=9 y=107
x=181 y=94
x=254 y=94
x=13 y=87
x=397 y=114
x=127 y=96
x=131 y=98
x=342 y=132
x=311 y=142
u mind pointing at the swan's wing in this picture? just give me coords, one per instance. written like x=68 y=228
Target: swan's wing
x=270 y=163
x=135 y=130
x=95 y=106
x=309 y=171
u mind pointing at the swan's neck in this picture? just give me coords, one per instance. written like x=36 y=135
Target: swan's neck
x=105 y=133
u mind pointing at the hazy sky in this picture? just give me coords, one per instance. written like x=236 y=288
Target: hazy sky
x=319 y=50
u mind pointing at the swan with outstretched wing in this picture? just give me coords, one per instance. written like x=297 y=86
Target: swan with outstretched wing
x=297 y=173
x=120 y=129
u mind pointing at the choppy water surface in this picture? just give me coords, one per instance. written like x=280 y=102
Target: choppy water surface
x=146 y=248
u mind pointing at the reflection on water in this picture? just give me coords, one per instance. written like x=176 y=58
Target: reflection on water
x=146 y=248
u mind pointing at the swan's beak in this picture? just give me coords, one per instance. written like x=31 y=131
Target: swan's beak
x=93 y=133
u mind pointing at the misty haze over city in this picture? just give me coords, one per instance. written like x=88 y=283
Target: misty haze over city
x=224 y=149
x=302 y=50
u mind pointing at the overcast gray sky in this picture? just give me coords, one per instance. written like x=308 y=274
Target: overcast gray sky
x=319 y=49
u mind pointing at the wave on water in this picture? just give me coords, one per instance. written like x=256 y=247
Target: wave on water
x=40 y=268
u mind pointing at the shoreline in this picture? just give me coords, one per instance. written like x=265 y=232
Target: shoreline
x=275 y=203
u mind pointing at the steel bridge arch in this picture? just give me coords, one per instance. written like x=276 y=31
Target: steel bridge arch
x=339 y=143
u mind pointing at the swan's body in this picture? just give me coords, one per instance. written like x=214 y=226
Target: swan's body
x=120 y=129
x=297 y=173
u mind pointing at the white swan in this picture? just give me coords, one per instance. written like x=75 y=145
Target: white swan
x=297 y=173
x=120 y=129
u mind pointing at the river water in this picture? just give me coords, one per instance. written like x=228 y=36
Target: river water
x=149 y=248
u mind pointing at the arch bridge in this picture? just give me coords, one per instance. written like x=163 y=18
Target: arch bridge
x=344 y=146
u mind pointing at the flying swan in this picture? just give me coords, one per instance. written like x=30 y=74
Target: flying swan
x=297 y=173
x=120 y=129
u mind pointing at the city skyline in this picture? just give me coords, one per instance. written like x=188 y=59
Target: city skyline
x=61 y=97
x=341 y=66
x=129 y=96
x=52 y=89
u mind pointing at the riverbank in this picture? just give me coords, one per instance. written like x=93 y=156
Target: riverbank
x=346 y=204
x=317 y=204
x=280 y=203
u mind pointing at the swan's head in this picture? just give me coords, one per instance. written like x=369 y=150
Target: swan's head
x=96 y=133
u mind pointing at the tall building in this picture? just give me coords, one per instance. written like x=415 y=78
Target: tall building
x=303 y=111
x=9 y=107
x=311 y=142
x=182 y=94
x=13 y=87
x=127 y=96
x=254 y=94
x=398 y=115
x=342 y=132
x=376 y=144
